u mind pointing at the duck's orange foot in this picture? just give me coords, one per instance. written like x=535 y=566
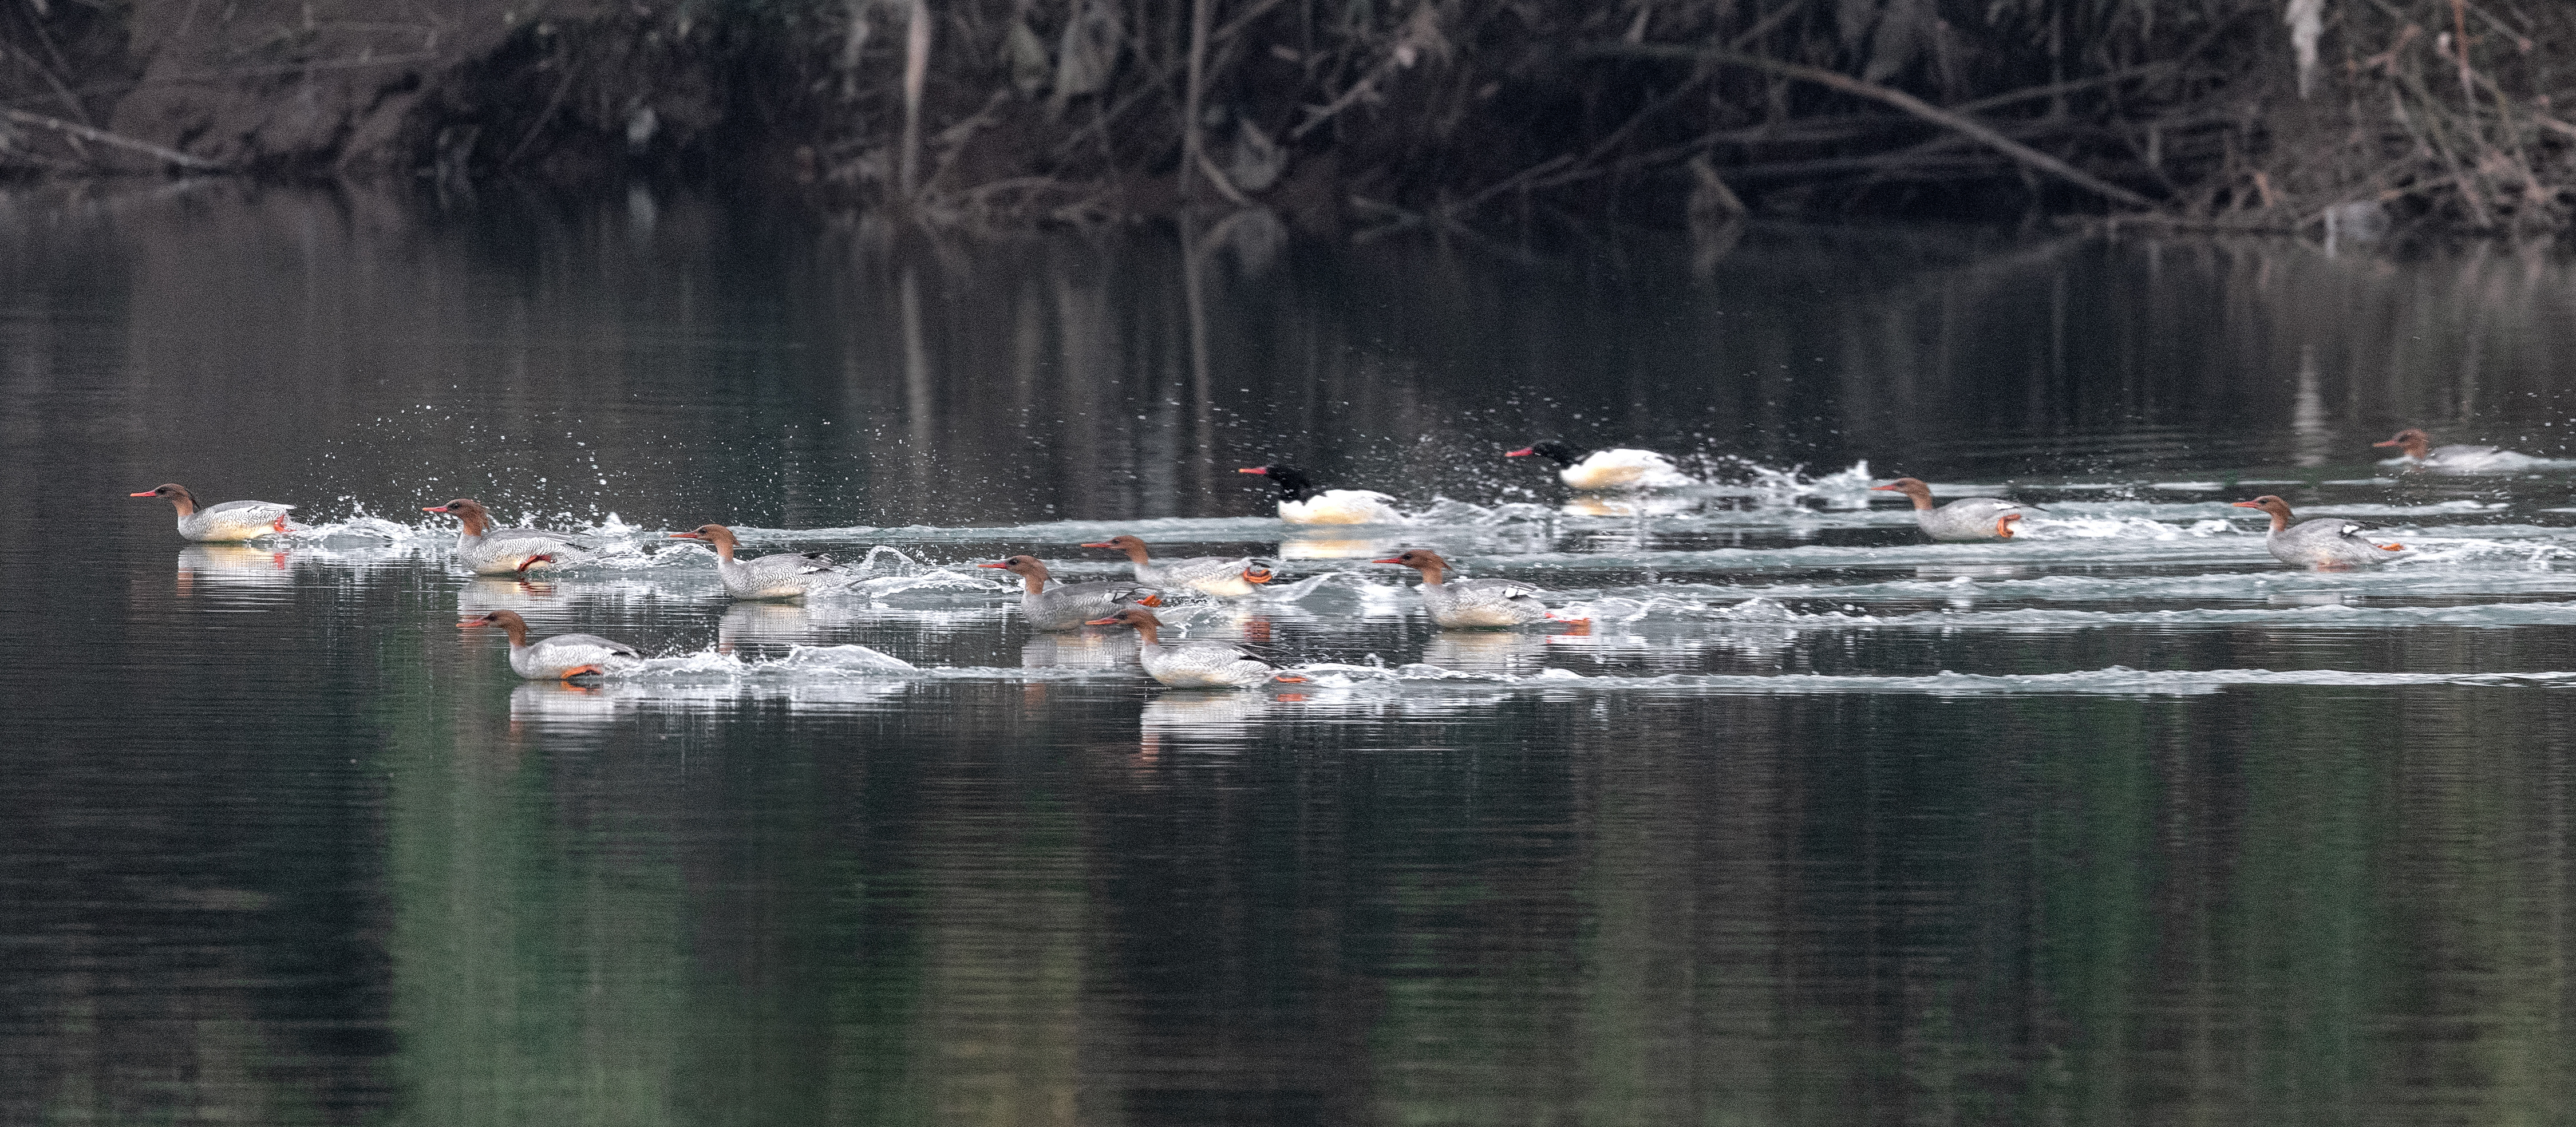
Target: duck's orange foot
x=1291 y=680
x=279 y=524
x=533 y=561
x=583 y=671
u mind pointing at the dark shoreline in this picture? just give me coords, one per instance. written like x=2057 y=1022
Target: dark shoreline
x=1437 y=114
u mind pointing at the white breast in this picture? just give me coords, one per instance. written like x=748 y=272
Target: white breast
x=1342 y=506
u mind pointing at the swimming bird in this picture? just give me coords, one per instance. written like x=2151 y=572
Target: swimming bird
x=2328 y=543
x=779 y=575
x=1969 y=518
x=1301 y=502
x=2417 y=446
x=1191 y=665
x=1471 y=602
x=1069 y=605
x=1211 y=575
x=232 y=520
x=562 y=657
x=507 y=551
x=1614 y=468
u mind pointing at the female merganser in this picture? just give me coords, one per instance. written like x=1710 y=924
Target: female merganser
x=1971 y=518
x=1300 y=502
x=507 y=551
x=1616 y=468
x=2417 y=447
x=781 y=575
x=1072 y=604
x=1471 y=602
x=232 y=520
x=1211 y=575
x=562 y=657
x=2329 y=543
x=1191 y=665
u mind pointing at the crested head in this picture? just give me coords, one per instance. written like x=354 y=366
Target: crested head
x=1134 y=547
x=508 y=620
x=1423 y=560
x=1557 y=452
x=174 y=493
x=1292 y=482
x=717 y=536
x=2278 y=508
x=2412 y=442
x=1911 y=487
x=467 y=511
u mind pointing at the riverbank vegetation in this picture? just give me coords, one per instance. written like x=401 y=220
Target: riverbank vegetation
x=2239 y=114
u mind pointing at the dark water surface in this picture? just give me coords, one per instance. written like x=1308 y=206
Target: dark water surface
x=1811 y=823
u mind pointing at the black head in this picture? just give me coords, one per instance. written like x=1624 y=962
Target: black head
x=1557 y=452
x=1292 y=482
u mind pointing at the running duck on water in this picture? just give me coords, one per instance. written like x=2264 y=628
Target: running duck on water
x=1472 y=602
x=230 y=521
x=1615 y=468
x=1969 y=518
x=1209 y=575
x=1191 y=665
x=779 y=575
x=508 y=551
x=1301 y=502
x=2326 y=543
x=562 y=657
x=1068 y=605
x=2416 y=447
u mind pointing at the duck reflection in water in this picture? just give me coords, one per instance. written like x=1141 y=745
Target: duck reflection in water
x=233 y=565
x=485 y=594
x=1213 y=720
x=1509 y=653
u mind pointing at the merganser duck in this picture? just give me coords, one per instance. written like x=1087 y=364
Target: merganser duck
x=1615 y=468
x=1300 y=502
x=780 y=575
x=2328 y=543
x=1072 y=604
x=1210 y=575
x=2416 y=446
x=1471 y=602
x=507 y=551
x=1969 y=518
x=1191 y=665
x=562 y=657
x=232 y=520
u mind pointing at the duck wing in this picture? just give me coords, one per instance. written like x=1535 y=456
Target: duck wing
x=620 y=648
x=1472 y=593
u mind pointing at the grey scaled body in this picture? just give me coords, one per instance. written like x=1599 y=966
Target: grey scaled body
x=1218 y=576
x=486 y=550
x=221 y=523
x=1068 y=605
x=2331 y=543
x=561 y=657
x=779 y=575
x=1191 y=665
x=1471 y=603
x=1960 y=521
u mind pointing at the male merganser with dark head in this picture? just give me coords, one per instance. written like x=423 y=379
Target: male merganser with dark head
x=562 y=657
x=2417 y=447
x=508 y=551
x=780 y=575
x=1970 y=518
x=1066 y=606
x=1211 y=575
x=232 y=520
x=1191 y=665
x=2327 y=543
x=1615 y=468
x=1300 y=502
x=1471 y=602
